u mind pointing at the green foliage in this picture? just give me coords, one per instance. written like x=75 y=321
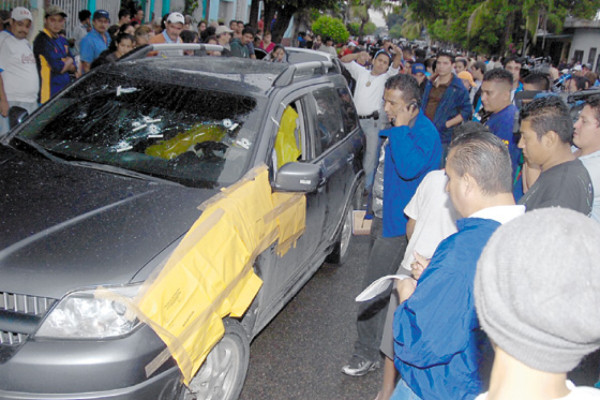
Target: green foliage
x=369 y=28
x=395 y=19
x=395 y=31
x=353 y=28
x=314 y=14
x=491 y=25
x=332 y=27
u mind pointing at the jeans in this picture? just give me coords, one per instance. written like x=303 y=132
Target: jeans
x=384 y=258
x=371 y=128
x=403 y=392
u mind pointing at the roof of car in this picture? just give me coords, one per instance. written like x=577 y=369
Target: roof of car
x=230 y=74
x=221 y=73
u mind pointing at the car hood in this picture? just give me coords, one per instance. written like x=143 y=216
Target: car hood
x=65 y=227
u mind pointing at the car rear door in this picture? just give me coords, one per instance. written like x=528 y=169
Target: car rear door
x=334 y=126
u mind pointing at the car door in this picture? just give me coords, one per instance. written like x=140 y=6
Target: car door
x=284 y=275
x=335 y=150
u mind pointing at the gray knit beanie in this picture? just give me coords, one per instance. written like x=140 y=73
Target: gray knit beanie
x=537 y=288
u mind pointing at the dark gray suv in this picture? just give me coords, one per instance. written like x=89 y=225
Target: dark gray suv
x=101 y=184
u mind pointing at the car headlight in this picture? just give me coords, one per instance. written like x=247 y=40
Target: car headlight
x=85 y=314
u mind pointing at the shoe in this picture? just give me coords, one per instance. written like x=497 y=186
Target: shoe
x=359 y=366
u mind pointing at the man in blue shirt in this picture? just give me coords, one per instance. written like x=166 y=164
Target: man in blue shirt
x=495 y=96
x=54 y=60
x=409 y=150
x=96 y=41
x=438 y=343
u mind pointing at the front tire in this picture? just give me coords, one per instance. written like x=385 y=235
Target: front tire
x=222 y=375
x=342 y=244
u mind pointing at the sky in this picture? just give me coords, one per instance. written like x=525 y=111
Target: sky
x=377 y=18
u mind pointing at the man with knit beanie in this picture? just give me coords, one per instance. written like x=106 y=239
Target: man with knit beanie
x=438 y=344
x=539 y=303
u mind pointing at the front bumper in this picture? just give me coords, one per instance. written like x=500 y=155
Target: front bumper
x=83 y=369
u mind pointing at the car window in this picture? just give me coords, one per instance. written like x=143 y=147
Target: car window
x=197 y=137
x=329 y=126
x=290 y=139
x=349 y=115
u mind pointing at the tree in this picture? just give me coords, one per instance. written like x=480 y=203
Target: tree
x=491 y=26
x=285 y=9
x=334 y=28
x=395 y=31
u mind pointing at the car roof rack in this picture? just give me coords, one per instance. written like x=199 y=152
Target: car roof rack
x=582 y=95
x=287 y=77
x=143 y=51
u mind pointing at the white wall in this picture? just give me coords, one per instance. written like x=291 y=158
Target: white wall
x=584 y=39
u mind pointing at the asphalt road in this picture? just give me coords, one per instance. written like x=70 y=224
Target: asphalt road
x=300 y=354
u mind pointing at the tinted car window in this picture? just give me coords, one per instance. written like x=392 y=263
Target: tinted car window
x=330 y=129
x=192 y=136
x=349 y=115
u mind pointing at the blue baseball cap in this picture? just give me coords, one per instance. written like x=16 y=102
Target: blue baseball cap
x=101 y=14
x=418 y=68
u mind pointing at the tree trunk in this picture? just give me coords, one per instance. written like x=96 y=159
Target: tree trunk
x=254 y=14
x=284 y=15
x=508 y=28
x=269 y=13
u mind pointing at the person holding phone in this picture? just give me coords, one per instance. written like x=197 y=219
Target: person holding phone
x=408 y=151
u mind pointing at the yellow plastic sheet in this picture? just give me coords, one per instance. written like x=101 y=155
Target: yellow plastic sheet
x=287 y=146
x=210 y=274
x=173 y=147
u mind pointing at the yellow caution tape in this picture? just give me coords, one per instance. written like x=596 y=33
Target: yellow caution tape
x=210 y=274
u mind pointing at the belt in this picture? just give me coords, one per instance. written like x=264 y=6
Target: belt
x=374 y=115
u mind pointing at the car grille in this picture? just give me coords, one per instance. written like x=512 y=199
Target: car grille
x=24 y=309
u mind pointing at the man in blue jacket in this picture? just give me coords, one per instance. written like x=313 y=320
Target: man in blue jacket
x=409 y=150
x=54 y=60
x=438 y=344
x=446 y=102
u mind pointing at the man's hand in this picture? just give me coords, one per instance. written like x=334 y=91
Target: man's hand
x=406 y=115
x=4 y=107
x=406 y=288
x=419 y=265
x=69 y=65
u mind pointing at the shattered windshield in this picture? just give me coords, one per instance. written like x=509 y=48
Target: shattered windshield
x=188 y=135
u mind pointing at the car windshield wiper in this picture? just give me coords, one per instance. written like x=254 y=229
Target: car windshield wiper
x=40 y=149
x=122 y=171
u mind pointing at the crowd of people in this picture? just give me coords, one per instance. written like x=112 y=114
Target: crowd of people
x=482 y=189
x=31 y=75
x=477 y=178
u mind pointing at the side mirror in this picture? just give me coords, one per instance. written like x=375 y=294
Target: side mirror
x=297 y=177
x=16 y=115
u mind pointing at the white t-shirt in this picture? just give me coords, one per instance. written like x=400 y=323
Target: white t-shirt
x=436 y=218
x=368 y=95
x=591 y=162
x=577 y=393
x=19 y=72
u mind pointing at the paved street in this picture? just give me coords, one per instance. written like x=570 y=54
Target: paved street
x=300 y=354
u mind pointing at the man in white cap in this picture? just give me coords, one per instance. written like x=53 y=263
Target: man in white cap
x=19 y=84
x=224 y=35
x=537 y=290
x=173 y=27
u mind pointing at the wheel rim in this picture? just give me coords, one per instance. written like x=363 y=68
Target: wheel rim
x=217 y=377
x=346 y=233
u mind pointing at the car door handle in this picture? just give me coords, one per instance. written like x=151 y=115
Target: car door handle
x=350 y=158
